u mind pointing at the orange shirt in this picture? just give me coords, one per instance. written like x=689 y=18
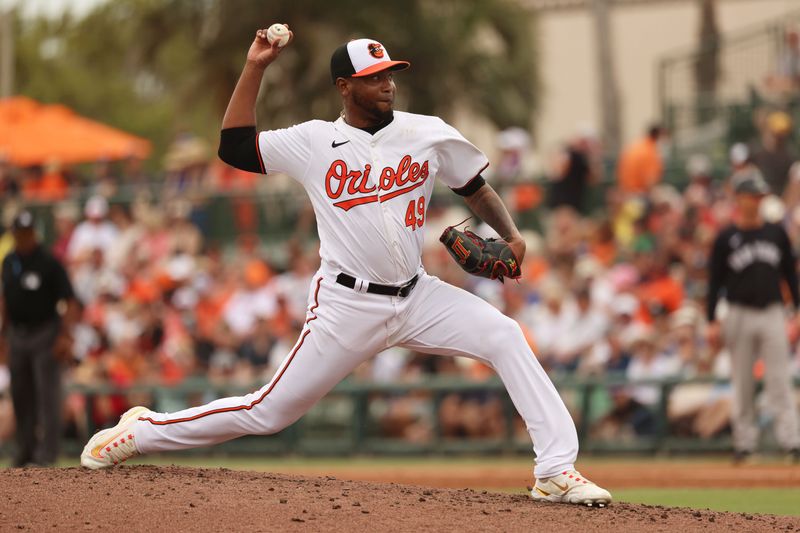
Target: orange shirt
x=640 y=167
x=664 y=291
x=53 y=186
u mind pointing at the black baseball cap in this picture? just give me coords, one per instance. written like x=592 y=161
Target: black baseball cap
x=752 y=183
x=362 y=57
x=23 y=220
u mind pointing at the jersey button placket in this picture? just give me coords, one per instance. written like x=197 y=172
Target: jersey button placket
x=389 y=233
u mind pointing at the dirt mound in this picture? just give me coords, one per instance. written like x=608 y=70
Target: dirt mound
x=148 y=498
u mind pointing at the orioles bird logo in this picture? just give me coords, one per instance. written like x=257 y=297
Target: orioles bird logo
x=458 y=248
x=375 y=50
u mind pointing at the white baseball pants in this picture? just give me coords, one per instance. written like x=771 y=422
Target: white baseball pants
x=343 y=329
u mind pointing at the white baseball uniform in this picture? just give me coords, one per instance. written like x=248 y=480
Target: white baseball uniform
x=370 y=194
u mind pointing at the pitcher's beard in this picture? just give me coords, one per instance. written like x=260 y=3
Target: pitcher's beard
x=377 y=115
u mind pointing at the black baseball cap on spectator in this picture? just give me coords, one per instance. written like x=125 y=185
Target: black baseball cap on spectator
x=360 y=58
x=752 y=183
x=24 y=220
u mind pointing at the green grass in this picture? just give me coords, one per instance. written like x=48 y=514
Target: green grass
x=780 y=501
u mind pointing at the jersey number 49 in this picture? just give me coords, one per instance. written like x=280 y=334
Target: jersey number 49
x=415 y=214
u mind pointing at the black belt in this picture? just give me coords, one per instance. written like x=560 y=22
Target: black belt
x=374 y=288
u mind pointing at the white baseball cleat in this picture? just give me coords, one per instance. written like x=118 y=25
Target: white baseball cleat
x=570 y=487
x=114 y=445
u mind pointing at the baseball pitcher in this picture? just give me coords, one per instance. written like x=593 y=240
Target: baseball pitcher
x=370 y=174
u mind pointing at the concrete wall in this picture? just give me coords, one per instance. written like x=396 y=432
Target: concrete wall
x=642 y=35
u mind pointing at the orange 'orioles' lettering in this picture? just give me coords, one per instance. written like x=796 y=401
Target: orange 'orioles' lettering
x=408 y=175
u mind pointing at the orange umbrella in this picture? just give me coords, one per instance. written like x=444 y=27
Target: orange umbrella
x=33 y=134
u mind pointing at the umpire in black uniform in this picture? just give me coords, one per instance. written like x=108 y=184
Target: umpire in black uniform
x=35 y=288
x=749 y=261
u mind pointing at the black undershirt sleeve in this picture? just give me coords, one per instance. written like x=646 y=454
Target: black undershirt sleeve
x=716 y=275
x=239 y=148
x=471 y=187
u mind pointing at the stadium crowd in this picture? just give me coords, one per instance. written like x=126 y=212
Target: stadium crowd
x=613 y=285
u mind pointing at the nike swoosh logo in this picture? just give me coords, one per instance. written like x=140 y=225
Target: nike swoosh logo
x=334 y=144
x=564 y=488
x=96 y=450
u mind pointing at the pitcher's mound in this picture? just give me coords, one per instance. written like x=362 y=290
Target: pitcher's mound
x=148 y=498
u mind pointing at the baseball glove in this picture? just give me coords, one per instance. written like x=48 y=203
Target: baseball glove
x=488 y=258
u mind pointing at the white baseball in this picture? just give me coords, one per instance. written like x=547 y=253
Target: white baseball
x=278 y=32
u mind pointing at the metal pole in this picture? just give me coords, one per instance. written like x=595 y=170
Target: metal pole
x=6 y=53
x=608 y=94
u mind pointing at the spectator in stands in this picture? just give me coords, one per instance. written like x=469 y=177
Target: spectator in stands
x=622 y=332
x=29 y=182
x=786 y=79
x=292 y=285
x=776 y=155
x=94 y=277
x=700 y=190
x=512 y=144
x=791 y=195
x=184 y=236
x=187 y=164
x=697 y=409
x=649 y=362
x=65 y=218
x=96 y=232
x=573 y=171
x=104 y=180
x=633 y=407
x=53 y=185
x=9 y=184
x=129 y=234
x=552 y=322
x=134 y=174
x=641 y=165
x=659 y=290
x=740 y=159
x=584 y=349
x=254 y=300
x=789 y=62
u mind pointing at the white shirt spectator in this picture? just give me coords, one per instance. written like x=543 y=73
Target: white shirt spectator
x=89 y=235
x=588 y=328
x=93 y=233
x=552 y=327
x=656 y=367
x=90 y=282
x=246 y=306
x=120 y=250
x=388 y=366
x=293 y=288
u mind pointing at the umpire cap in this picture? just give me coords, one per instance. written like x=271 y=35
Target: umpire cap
x=23 y=220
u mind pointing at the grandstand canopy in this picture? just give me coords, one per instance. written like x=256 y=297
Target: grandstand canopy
x=32 y=133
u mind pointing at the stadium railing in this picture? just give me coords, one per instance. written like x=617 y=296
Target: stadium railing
x=347 y=421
